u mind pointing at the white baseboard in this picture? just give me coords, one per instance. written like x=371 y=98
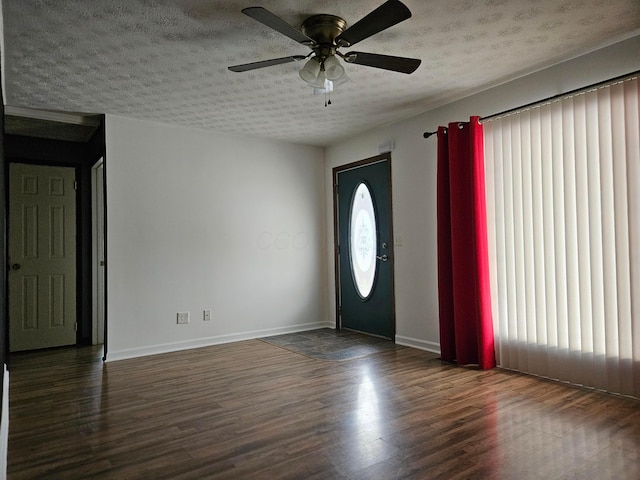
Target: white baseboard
x=417 y=343
x=113 y=356
x=4 y=424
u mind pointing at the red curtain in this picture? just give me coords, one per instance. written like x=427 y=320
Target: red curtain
x=466 y=325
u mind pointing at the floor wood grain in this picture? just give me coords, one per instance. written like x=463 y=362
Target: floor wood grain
x=251 y=410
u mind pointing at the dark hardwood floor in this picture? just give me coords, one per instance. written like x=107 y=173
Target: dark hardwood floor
x=251 y=410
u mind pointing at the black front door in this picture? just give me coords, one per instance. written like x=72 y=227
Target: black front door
x=365 y=247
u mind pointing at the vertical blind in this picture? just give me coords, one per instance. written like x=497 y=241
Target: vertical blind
x=563 y=211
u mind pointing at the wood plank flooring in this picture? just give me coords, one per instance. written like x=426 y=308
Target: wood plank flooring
x=251 y=410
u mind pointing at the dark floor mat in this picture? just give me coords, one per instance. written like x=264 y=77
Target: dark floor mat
x=329 y=344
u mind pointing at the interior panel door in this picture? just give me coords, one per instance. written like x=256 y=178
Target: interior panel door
x=42 y=257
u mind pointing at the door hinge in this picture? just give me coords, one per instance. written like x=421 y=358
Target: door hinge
x=75 y=185
x=75 y=326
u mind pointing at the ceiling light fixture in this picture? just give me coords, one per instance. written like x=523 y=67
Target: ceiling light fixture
x=310 y=71
x=333 y=69
x=316 y=70
x=325 y=34
x=323 y=75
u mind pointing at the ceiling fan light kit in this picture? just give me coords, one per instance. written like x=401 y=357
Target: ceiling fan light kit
x=332 y=68
x=310 y=71
x=324 y=35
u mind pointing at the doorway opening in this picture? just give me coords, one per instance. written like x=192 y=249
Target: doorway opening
x=75 y=142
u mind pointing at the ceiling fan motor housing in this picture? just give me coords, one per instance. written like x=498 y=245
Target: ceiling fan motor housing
x=324 y=29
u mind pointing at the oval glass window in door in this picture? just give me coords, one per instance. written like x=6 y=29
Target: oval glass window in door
x=362 y=240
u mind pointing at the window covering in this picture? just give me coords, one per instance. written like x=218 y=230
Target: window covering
x=563 y=211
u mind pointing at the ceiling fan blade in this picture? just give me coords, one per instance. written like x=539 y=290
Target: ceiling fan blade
x=383 y=17
x=265 y=63
x=271 y=20
x=386 y=62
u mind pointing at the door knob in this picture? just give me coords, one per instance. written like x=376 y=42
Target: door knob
x=16 y=266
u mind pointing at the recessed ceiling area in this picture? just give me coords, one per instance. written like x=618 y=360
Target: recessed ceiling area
x=166 y=60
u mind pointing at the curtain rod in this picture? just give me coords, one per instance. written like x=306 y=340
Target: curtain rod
x=549 y=99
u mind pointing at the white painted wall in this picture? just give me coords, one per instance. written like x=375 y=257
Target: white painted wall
x=198 y=220
x=414 y=178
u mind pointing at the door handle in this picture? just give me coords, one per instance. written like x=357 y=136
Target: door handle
x=16 y=266
x=384 y=257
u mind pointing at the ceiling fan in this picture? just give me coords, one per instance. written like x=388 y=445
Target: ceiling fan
x=325 y=34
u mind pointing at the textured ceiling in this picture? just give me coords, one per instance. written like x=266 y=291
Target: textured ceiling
x=166 y=60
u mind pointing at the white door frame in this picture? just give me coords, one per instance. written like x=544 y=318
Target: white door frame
x=97 y=234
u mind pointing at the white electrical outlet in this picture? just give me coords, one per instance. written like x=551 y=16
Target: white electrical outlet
x=206 y=315
x=183 y=317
